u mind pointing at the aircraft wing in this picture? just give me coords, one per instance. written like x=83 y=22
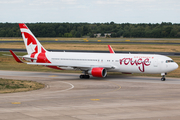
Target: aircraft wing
x=74 y=66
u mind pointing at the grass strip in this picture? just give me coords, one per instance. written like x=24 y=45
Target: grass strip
x=11 y=86
x=100 y=47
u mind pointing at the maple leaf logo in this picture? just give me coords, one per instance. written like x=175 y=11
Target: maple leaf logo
x=32 y=47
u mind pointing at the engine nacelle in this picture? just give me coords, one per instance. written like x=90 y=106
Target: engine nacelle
x=98 y=72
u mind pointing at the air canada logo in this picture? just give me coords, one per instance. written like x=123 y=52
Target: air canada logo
x=137 y=62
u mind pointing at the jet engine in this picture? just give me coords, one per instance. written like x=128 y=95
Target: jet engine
x=98 y=72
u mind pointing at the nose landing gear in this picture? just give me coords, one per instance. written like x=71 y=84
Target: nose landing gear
x=163 y=76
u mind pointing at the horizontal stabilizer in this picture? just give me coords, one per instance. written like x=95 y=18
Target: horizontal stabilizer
x=16 y=57
x=29 y=58
x=7 y=55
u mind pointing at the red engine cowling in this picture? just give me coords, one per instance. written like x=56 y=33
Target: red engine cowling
x=98 y=72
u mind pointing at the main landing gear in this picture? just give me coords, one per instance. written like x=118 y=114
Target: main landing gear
x=163 y=76
x=85 y=75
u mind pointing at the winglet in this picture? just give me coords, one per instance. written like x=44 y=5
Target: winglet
x=110 y=49
x=16 y=57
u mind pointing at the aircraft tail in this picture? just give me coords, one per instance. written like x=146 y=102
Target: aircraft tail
x=33 y=46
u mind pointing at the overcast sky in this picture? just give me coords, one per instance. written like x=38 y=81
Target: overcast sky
x=91 y=11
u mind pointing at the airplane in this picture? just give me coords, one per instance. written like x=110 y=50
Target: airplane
x=94 y=64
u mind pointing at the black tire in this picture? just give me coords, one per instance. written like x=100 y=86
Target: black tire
x=81 y=76
x=87 y=76
x=163 y=79
x=84 y=76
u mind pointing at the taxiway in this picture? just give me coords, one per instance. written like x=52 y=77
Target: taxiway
x=66 y=97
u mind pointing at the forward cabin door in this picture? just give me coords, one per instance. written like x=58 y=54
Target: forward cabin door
x=155 y=63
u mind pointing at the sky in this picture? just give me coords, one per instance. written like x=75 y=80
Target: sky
x=90 y=11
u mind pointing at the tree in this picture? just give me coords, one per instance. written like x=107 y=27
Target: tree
x=165 y=29
x=113 y=35
x=102 y=35
x=111 y=23
x=85 y=30
x=67 y=35
x=78 y=34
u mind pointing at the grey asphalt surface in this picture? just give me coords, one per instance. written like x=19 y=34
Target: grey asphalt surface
x=66 y=97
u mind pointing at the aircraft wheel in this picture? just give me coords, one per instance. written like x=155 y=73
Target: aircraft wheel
x=84 y=76
x=81 y=76
x=163 y=79
x=87 y=76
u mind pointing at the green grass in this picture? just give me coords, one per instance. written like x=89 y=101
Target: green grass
x=100 y=47
x=10 y=86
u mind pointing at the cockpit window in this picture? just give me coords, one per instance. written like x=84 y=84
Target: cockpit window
x=169 y=61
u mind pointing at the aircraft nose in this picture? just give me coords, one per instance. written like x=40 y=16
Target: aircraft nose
x=175 y=66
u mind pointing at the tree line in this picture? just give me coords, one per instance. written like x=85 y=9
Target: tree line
x=141 y=30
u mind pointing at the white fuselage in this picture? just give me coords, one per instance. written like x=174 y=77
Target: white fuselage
x=127 y=63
